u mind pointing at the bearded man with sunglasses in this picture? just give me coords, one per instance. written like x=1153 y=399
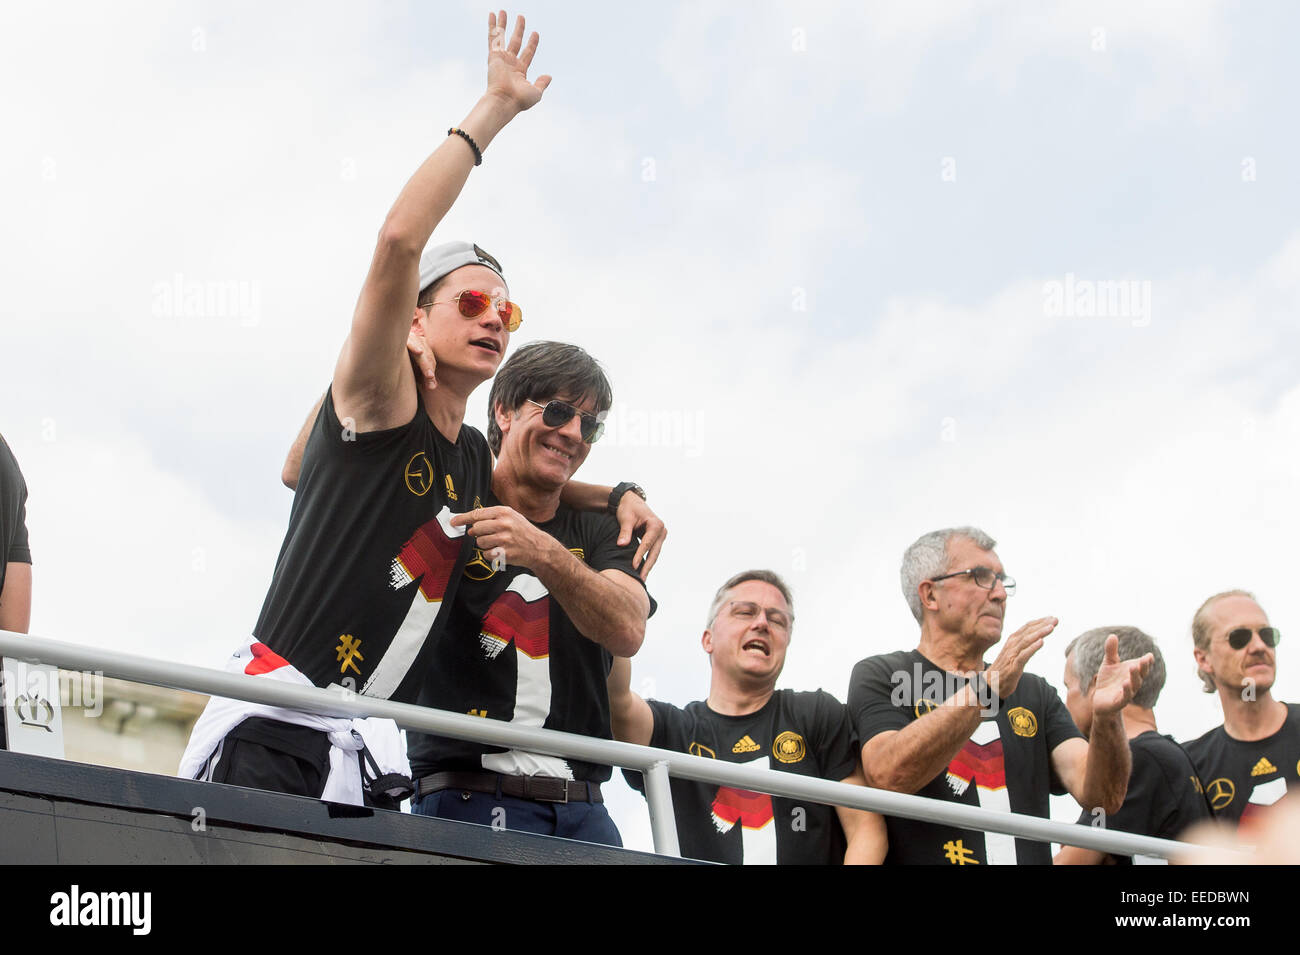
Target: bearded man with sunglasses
x=940 y=722
x=1253 y=759
x=371 y=558
x=546 y=601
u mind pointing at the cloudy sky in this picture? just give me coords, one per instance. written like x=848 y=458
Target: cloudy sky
x=855 y=273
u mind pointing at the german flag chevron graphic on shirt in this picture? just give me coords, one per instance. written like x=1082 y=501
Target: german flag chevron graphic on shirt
x=754 y=813
x=522 y=616
x=1262 y=797
x=429 y=557
x=982 y=762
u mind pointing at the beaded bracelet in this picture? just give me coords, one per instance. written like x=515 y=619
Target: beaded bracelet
x=478 y=154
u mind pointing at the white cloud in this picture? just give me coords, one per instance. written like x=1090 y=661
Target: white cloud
x=131 y=558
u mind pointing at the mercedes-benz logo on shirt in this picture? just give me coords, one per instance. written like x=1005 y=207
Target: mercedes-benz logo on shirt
x=1220 y=793
x=419 y=474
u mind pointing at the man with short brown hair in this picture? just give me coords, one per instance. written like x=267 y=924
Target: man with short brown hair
x=745 y=719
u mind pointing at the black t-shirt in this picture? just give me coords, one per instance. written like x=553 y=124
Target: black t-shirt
x=808 y=734
x=1242 y=779
x=1164 y=794
x=511 y=653
x=13 y=528
x=13 y=513
x=369 y=562
x=1006 y=764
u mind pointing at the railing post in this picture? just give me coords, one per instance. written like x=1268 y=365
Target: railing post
x=659 y=797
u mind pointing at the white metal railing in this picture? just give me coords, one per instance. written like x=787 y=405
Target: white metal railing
x=657 y=765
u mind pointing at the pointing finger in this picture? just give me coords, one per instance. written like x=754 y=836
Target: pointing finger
x=1112 y=650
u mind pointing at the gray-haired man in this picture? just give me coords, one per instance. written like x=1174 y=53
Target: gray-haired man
x=1164 y=795
x=940 y=722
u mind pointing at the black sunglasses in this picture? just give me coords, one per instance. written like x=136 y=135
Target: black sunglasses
x=557 y=413
x=1237 y=639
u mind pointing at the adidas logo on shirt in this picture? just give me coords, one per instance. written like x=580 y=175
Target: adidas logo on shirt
x=745 y=745
x=1263 y=767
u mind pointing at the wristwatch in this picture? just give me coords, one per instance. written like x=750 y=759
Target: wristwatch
x=616 y=495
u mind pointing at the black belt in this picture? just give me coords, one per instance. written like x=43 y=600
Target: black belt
x=540 y=788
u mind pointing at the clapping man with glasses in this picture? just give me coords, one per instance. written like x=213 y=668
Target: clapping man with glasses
x=747 y=720
x=545 y=602
x=940 y=722
x=1248 y=763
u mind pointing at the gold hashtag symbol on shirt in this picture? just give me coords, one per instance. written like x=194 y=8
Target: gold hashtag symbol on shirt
x=958 y=854
x=348 y=648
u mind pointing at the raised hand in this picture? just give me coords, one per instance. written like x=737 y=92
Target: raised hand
x=1117 y=680
x=508 y=62
x=1004 y=673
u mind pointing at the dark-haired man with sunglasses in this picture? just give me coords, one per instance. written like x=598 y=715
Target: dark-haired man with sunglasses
x=1253 y=759
x=371 y=558
x=940 y=722
x=547 y=599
